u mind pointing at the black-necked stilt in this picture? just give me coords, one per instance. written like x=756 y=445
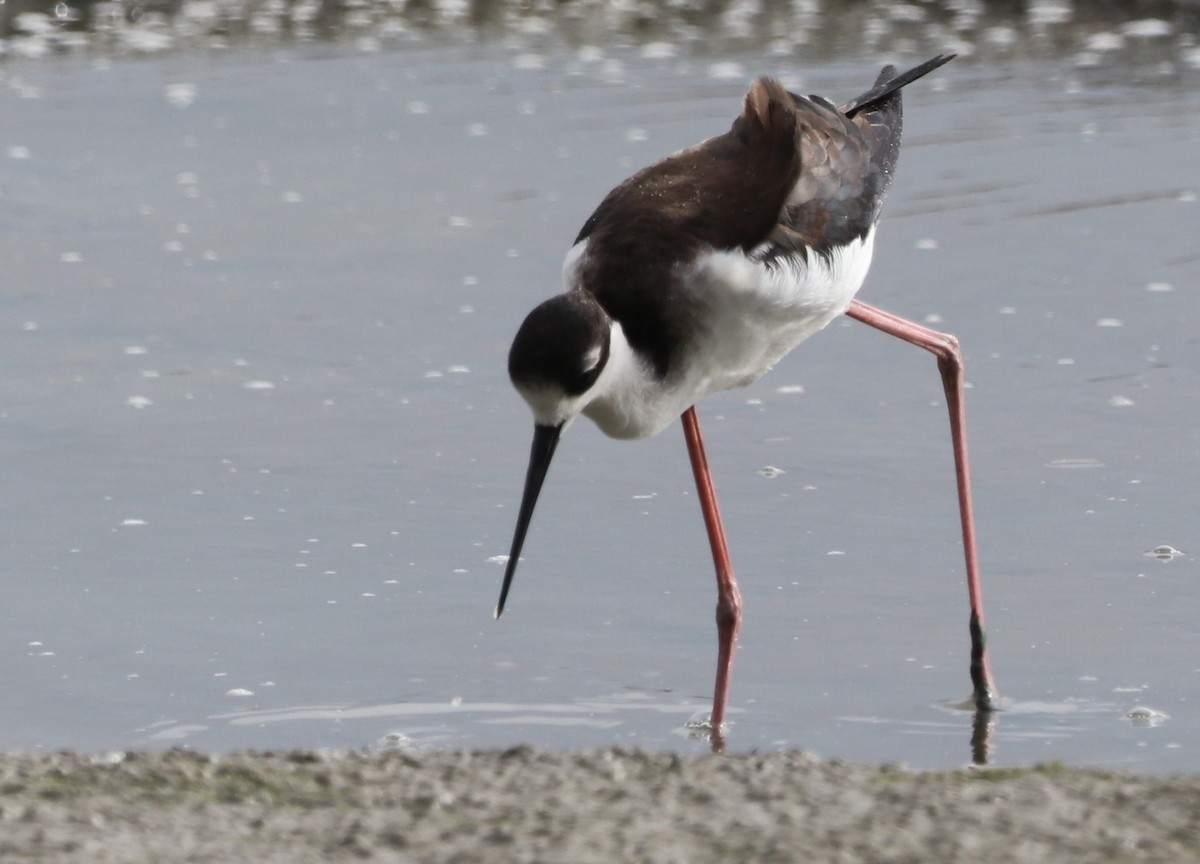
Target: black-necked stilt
x=699 y=273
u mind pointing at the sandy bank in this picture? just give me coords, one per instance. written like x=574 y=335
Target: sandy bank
x=613 y=805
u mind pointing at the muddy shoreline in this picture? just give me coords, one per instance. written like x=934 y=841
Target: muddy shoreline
x=606 y=805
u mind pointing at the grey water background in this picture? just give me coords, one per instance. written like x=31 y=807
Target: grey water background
x=258 y=274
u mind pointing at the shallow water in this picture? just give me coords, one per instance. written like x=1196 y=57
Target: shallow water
x=261 y=456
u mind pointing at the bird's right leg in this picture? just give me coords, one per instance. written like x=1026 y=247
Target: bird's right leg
x=729 y=598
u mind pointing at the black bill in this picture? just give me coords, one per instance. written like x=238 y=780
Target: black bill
x=545 y=439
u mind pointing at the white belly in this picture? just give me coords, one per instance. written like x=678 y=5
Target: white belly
x=756 y=314
x=748 y=317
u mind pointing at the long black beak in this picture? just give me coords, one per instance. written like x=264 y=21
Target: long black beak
x=545 y=439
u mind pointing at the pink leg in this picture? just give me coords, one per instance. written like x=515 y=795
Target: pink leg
x=729 y=599
x=949 y=357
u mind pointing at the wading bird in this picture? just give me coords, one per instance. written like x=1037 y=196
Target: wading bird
x=699 y=273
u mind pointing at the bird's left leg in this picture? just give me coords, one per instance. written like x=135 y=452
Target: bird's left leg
x=729 y=598
x=950 y=364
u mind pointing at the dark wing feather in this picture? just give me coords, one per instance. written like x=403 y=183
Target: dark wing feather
x=849 y=156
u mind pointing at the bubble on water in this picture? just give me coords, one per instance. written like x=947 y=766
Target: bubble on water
x=1164 y=553
x=927 y=243
x=636 y=134
x=1110 y=322
x=16 y=151
x=1121 y=402
x=139 y=401
x=701 y=721
x=1159 y=287
x=239 y=691
x=769 y=471
x=1144 y=716
x=790 y=389
x=259 y=385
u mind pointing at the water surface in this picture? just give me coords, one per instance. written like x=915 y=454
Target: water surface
x=262 y=459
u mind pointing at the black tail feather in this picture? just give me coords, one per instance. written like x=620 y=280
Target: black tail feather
x=889 y=82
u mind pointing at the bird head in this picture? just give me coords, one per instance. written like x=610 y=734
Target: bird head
x=555 y=361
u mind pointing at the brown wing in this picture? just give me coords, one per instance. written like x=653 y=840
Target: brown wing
x=725 y=193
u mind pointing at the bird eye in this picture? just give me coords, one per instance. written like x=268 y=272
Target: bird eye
x=592 y=358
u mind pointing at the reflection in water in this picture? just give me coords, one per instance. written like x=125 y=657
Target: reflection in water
x=981 y=737
x=1157 y=38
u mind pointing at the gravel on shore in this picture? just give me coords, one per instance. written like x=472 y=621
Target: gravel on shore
x=595 y=806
